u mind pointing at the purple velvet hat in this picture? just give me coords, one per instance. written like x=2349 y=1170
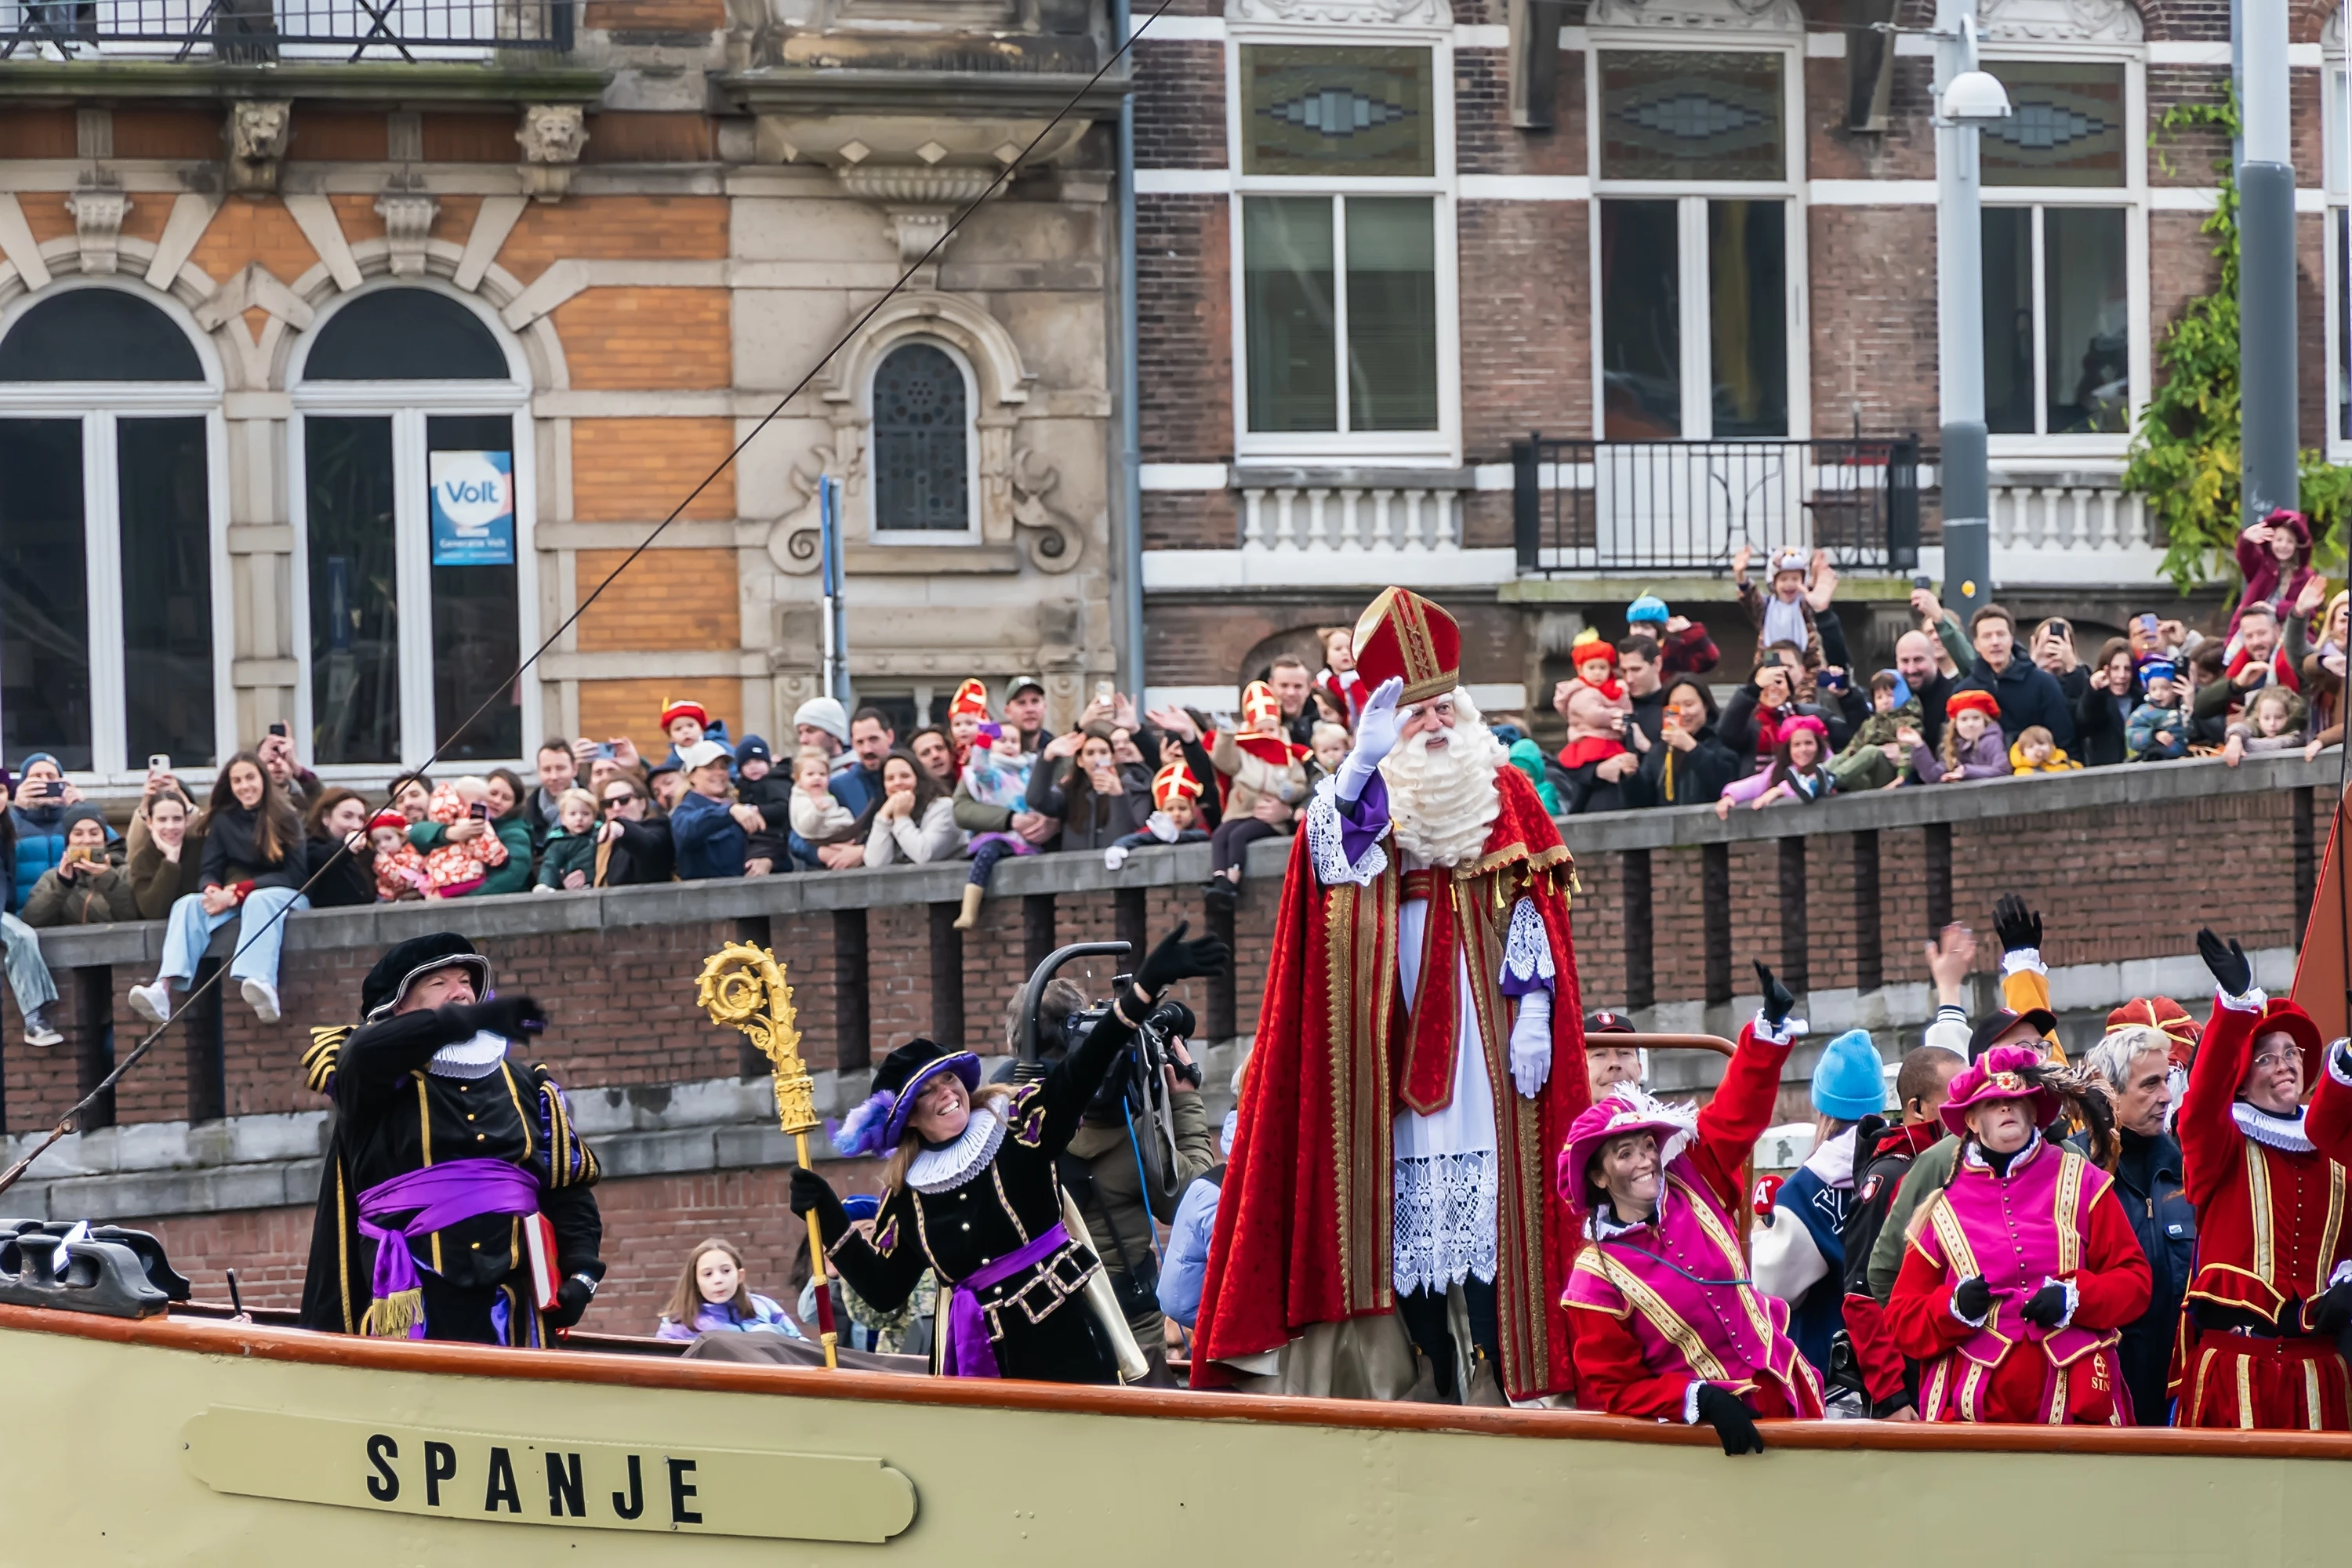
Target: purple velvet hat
x=874 y=1129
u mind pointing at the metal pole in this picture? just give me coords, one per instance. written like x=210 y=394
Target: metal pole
x=2266 y=342
x=835 y=613
x=1131 y=383
x=1960 y=337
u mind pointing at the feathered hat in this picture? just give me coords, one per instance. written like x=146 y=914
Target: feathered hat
x=874 y=1129
x=1627 y=1107
x=1174 y=781
x=2004 y=1072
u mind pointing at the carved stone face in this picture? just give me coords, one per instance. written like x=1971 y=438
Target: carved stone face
x=552 y=133
x=259 y=130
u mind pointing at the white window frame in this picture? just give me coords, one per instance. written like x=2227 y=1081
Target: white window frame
x=971 y=532
x=1692 y=196
x=100 y=406
x=1438 y=449
x=2132 y=196
x=408 y=403
x=2335 y=178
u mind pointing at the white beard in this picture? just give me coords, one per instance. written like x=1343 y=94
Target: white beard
x=1442 y=800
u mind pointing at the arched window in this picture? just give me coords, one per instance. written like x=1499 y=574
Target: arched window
x=414 y=506
x=922 y=442
x=109 y=635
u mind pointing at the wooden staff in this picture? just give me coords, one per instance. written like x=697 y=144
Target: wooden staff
x=743 y=986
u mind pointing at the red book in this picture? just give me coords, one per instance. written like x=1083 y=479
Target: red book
x=539 y=1241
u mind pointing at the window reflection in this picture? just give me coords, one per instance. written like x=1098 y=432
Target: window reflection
x=167 y=580
x=44 y=593
x=354 y=594
x=1641 y=321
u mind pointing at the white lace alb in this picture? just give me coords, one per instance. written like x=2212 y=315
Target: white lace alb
x=938 y=1171
x=1445 y=1223
x=1324 y=849
x=1526 y=951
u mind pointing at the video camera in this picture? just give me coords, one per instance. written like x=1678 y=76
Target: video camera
x=1134 y=1089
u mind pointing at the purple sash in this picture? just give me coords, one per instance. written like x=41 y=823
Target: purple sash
x=969 y=1353
x=442 y=1196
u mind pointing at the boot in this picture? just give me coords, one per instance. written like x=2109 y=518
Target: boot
x=972 y=893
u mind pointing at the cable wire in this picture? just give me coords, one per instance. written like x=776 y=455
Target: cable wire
x=66 y=1123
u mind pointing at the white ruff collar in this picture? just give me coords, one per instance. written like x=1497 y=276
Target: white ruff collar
x=938 y=1171
x=2276 y=1131
x=477 y=1058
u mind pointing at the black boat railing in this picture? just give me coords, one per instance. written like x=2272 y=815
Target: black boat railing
x=1687 y=505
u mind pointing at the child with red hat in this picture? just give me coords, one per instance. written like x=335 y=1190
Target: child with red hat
x=1174 y=820
x=1593 y=703
x=1257 y=766
x=1664 y=1319
x=686 y=722
x=2022 y=1271
x=1974 y=747
x=399 y=865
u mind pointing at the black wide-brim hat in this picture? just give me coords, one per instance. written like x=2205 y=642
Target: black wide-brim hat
x=875 y=1127
x=405 y=963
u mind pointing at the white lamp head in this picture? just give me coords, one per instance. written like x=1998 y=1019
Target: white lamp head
x=1975 y=98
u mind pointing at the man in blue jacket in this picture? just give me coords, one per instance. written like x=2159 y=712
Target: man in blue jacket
x=2028 y=695
x=710 y=839
x=2134 y=1063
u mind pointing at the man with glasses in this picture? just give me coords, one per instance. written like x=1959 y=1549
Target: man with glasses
x=2271 y=1294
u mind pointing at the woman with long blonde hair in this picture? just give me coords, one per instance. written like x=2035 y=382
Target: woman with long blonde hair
x=969 y=1190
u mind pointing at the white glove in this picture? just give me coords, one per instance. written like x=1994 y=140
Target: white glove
x=1531 y=1044
x=1159 y=828
x=1376 y=737
x=1114 y=858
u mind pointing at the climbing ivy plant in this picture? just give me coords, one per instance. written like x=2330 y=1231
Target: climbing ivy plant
x=2185 y=455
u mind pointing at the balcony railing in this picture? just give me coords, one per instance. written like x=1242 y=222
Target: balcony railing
x=1685 y=506
x=254 y=32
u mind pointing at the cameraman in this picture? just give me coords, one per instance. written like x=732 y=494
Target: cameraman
x=1102 y=1170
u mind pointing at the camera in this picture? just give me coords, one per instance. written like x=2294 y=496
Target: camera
x=1135 y=1076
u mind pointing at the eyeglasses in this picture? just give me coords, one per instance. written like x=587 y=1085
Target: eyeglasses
x=2269 y=1061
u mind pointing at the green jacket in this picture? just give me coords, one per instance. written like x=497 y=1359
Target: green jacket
x=1927 y=1173
x=1879 y=730
x=1118 y=1186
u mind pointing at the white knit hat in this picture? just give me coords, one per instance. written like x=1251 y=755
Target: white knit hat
x=826 y=714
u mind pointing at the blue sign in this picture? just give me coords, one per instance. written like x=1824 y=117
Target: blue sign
x=473 y=508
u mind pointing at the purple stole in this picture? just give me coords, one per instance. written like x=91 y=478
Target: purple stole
x=2016 y=1232
x=1682 y=1286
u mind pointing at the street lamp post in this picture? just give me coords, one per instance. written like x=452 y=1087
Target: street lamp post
x=1966 y=99
x=2268 y=476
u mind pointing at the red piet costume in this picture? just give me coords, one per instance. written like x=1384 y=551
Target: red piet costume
x=1661 y=1305
x=2044 y=1225
x=1405 y=1005
x=2271 y=1234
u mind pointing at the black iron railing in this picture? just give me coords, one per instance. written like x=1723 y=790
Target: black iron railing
x=1685 y=506
x=254 y=32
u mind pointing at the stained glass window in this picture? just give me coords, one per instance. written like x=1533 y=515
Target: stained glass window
x=1672 y=114
x=2065 y=125
x=1337 y=111
x=921 y=453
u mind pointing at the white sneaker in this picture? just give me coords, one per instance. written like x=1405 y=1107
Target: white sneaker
x=153 y=1001
x=38 y=1031
x=262 y=997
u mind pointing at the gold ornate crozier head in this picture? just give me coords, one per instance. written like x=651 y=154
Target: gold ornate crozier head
x=743 y=986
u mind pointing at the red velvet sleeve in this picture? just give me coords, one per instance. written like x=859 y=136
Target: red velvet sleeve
x=1873 y=1348
x=2209 y=1137
x=2113 y=1285
x=1919 y=1313
x=1731 y=1123
x=1611 y=1375
x=2328 y=1124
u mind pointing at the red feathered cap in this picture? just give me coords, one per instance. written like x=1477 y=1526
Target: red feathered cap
x=1972 y=701
x=1407 y=636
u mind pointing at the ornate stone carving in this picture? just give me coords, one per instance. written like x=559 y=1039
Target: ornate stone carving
x=407 y=222
x=918 y=202
x=258 y=132
x=552 y=137
x=795 y=541
x=1343 y=13
x=97 y=212
x=1698 y=16
x=2060 y=21
x=1051 y=540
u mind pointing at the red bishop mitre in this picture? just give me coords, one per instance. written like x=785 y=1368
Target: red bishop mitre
x=971 y=697
x=1406 y=635
x=1175 y=782
x=1261 y=709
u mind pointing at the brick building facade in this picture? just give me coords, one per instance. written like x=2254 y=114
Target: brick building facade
x=1709 y=220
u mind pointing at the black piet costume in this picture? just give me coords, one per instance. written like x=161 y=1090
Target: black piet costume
x=440 y=1140
x=985 y=1209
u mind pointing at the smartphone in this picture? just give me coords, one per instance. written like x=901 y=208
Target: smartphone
x=159 y=762
x=2146 y=623
x=1831 y=682
x=54 y=789
x=480 y=810
x=604 y=750
x=79 y=852
x=277 y=729
x=1102 y=691
x=1922 y=582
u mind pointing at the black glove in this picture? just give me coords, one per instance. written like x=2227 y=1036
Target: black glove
x=2331 y=1314
x=1972 y=1298
x=509 y=1017
x=1175 y=959
x=2016 y=925
x=1779 y=1002
x=2047 y=1308
x=812 y=1193
x=1723 y=1410
x=571 y=1302
x=2232 y=970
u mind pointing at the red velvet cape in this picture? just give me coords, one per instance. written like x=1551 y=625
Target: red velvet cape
x=1303 y=1225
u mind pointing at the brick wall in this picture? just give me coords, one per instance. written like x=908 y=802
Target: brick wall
x=1183 y=269
x=1527 y=322
x=1180 y=105
x=639 y=338
x=668 y=599
x=1873 y=318
x=1486 y=143
x=1191 y=519
x=615 y=228
x=635 y=470
x=249 y=229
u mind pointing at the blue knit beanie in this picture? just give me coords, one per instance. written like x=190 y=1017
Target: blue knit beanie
x=1849 y=1082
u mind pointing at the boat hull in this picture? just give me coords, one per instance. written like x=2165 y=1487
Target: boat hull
x=213 y=1443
